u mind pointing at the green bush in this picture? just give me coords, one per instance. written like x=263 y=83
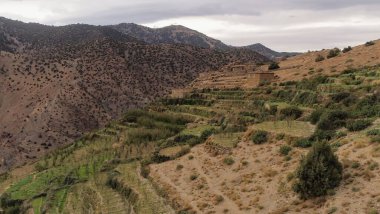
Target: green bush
x=319 y=58
x=347 y=49
x=358 y=125
x=341 y=134
x=193 y=177
x=370 y=43
x=332 y=120
x=373 y=132
x=285 y=149
x=280 y=136
x=207 y=133
x=318 y=173
x=321 y=135
x=259 y=137
x=312 y=83
x=305 y=98
x=333 y=53
x=274 y=66
x=338 y=97
x=315 y=116
x=228 y=161
x=303 y=143
x=291 y=112
x=368 y=106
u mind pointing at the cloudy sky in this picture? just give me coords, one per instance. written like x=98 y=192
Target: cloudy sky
x=284 y=25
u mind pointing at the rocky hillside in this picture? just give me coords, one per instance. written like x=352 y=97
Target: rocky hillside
x=59 y=82
x=177 y=34
x=271 y=54
x=174 y=34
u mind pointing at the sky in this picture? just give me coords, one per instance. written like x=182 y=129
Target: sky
x=283 y=25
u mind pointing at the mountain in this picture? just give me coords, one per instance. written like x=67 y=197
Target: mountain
x=58 y=83
x=174 y=34
x=271 y=54
x=177 y=34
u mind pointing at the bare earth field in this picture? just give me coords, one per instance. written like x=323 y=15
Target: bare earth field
x=259 y=180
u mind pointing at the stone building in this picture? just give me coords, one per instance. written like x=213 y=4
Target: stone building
x=262 y=77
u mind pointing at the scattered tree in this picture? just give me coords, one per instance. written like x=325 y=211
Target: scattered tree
x=319 y=172
x=274 y=66
x=260 y=137
x=347 y=49
x=319 y=58
x=370 y=43
x=333 y=53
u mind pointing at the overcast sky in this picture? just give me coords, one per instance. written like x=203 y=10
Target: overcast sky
x=283 y=25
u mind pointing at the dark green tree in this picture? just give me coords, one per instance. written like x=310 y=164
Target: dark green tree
x=319 y=172
x=274 y=66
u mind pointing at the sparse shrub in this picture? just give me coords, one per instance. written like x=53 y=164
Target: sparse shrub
x=9 y=205
x=347 y=49
x=285 y=149
x=319 y=171
x=369 y=106
x=358 y=125
x=332 y=210
x=305 y=98
x=274 y=66
x=259 y=137
x=292 y=112
x=40 y=167
x=290 y=176
x=193 y=177
x=355 y=165
x=333 y=53
x=280 y=136
x=4 y=177
x=320 y=135
x=179 y=167
x=191 y=157
x=338 y=97
x=219 y=199
x=228 y=161
x=332 y=120
x=312 y=83
x=373 y=132
x=157 y=158
x=207 y=133
x=373 y=165
x=245 y=163
x=369 y=43
x=315 y=116
x=273 y=109
x=341 y=134
x=303 y=143
x=319 y=58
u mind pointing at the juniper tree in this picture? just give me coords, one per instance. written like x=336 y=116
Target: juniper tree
x=319 y=172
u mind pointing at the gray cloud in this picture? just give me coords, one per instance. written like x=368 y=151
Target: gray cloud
x=294 y=25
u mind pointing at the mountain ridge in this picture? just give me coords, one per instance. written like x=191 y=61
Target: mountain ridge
x=271 y=54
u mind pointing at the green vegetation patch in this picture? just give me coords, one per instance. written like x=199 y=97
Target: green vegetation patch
x=228 y=140
x=291 y=128
x=197 y=130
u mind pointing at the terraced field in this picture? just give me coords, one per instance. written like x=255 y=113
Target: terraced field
x=213 y=151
